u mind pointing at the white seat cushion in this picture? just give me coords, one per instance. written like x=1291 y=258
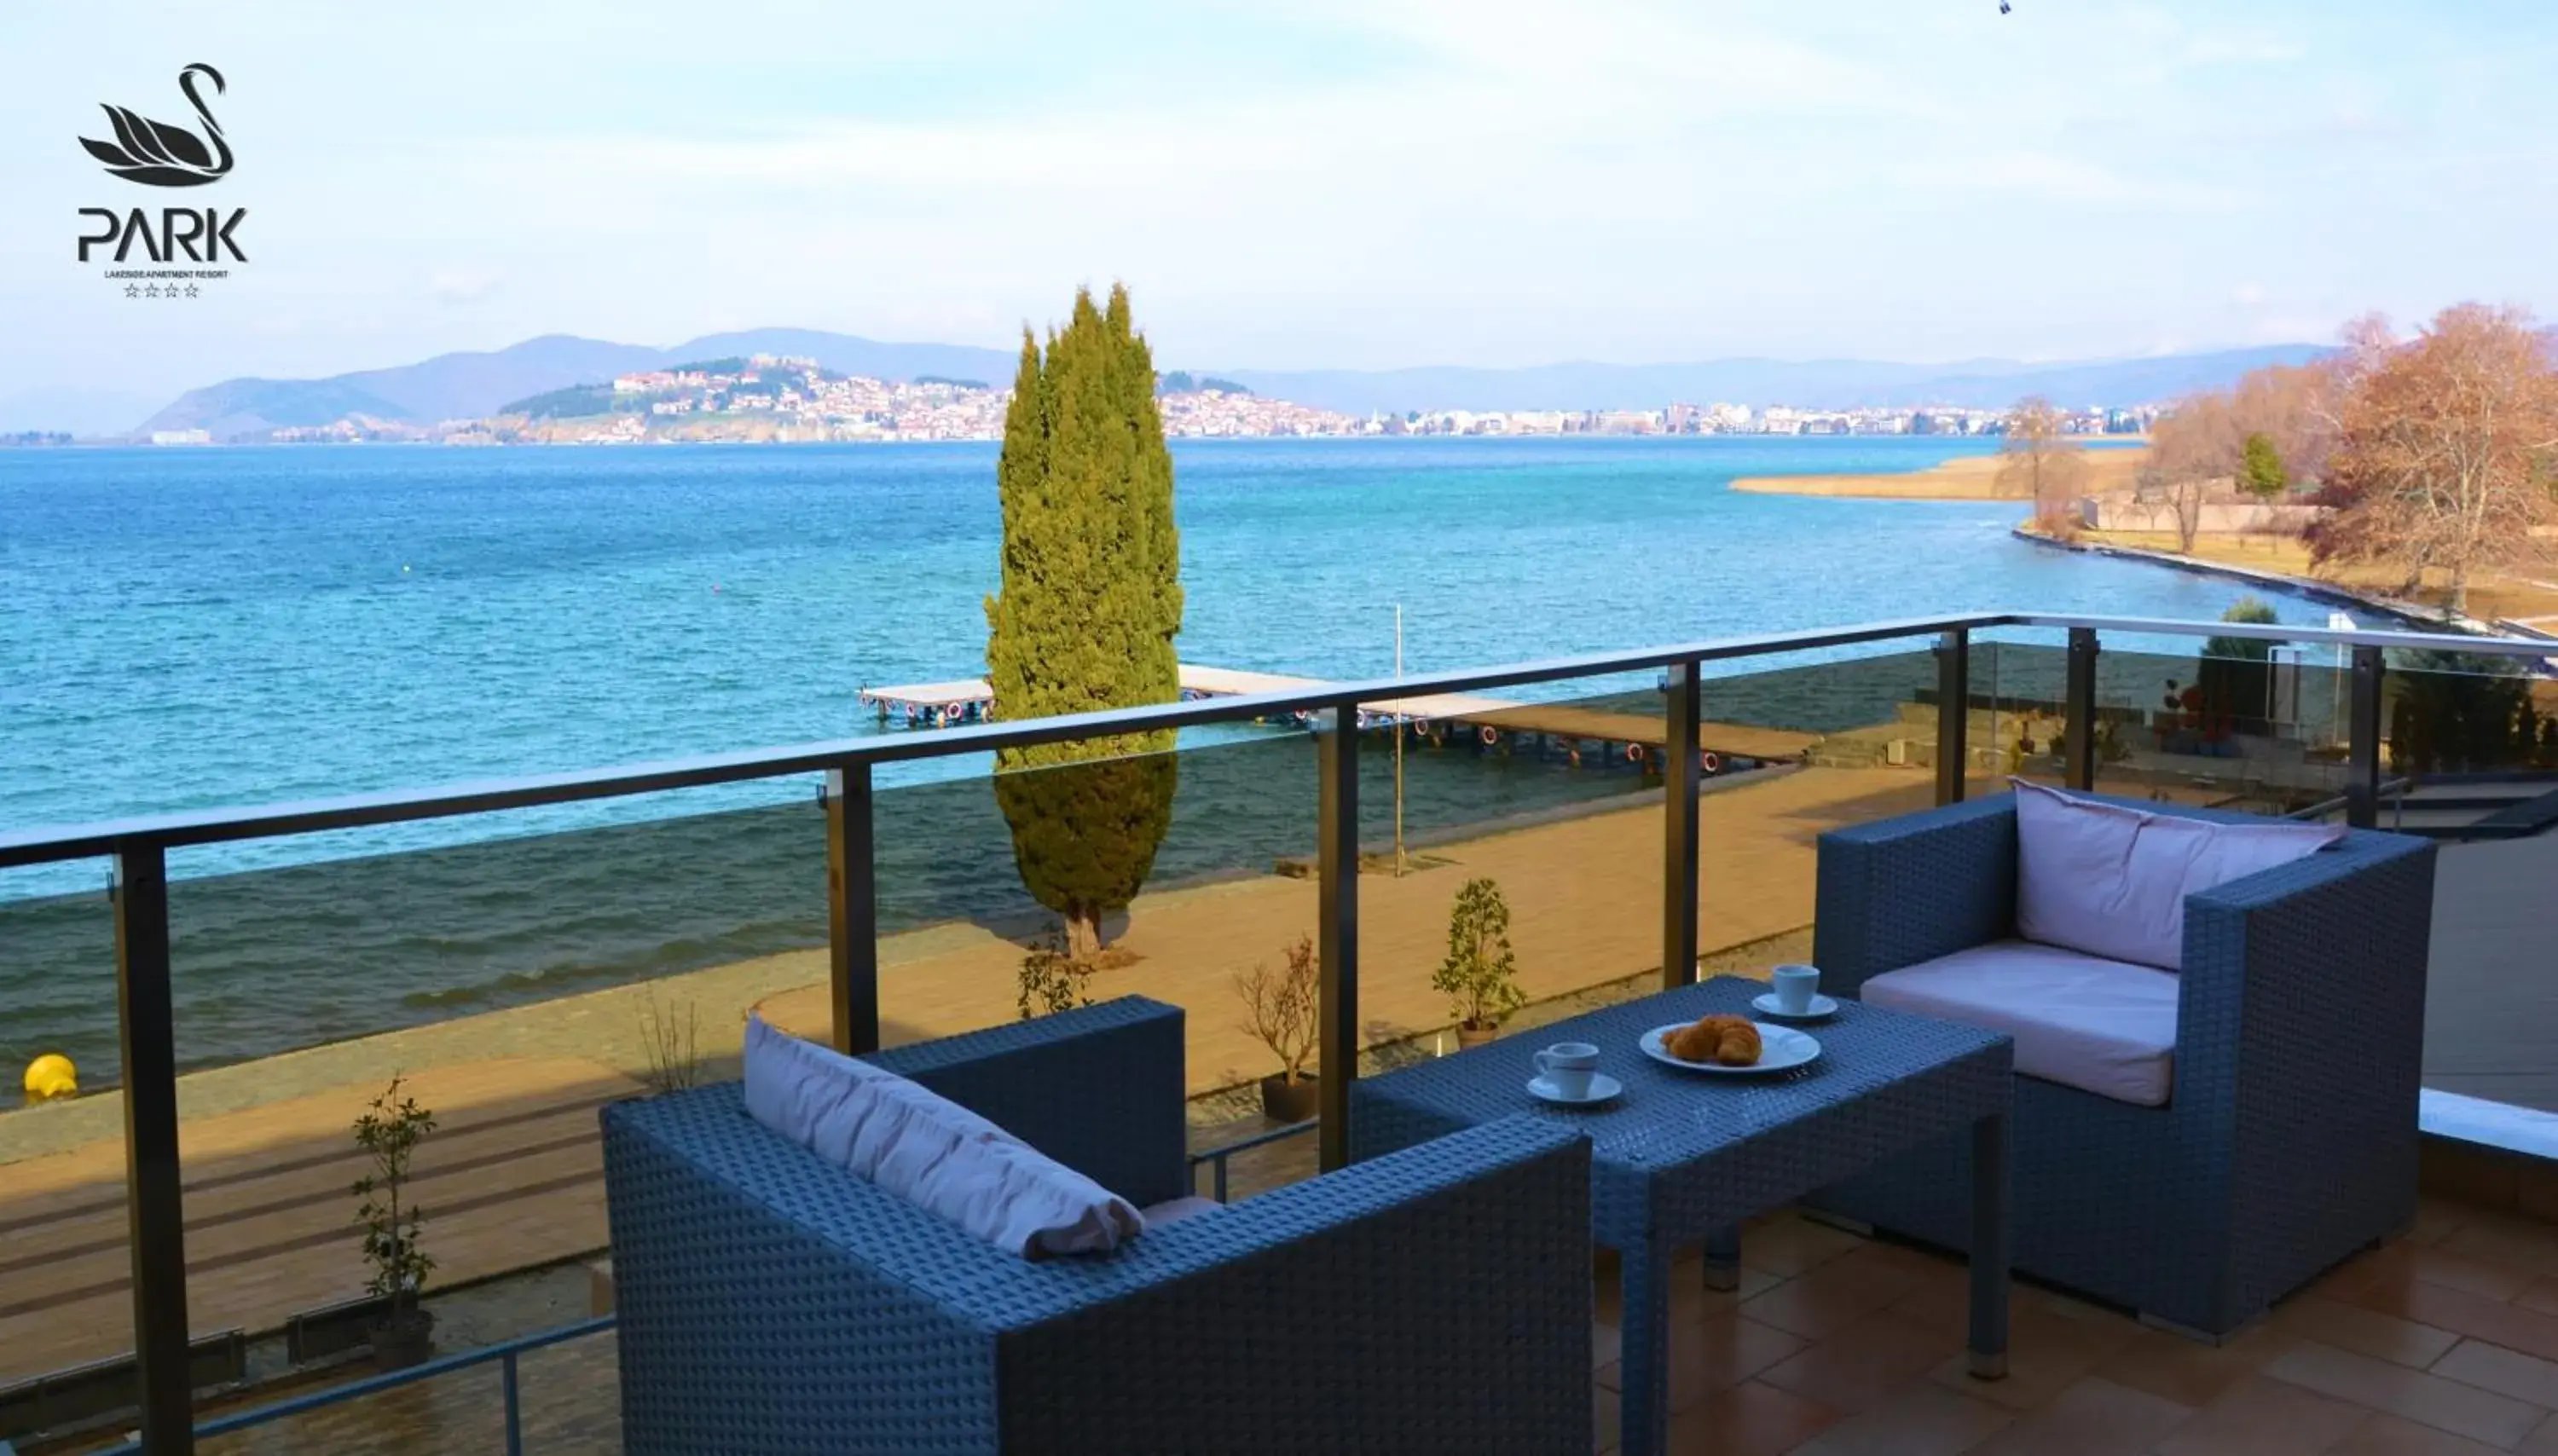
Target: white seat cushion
x=2111 y=881
x=928 y=1149
x=2105 y=1026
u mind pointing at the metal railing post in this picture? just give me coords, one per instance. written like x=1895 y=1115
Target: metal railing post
x=514 y=1406
x=154 y=1200
x=2362 y=742
x=1680 y=774
x=2078 y=710
x=1953 y=714
x=1337 y=848
x=852 y=910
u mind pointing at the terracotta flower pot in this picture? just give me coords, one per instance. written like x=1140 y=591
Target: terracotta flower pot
x=1283 y=1101
x=1469 y=1034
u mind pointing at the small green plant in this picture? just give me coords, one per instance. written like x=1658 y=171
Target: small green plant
x=2261 y=473
x=1280 y=1008
x=389 y=1132
x=1480 y=976
x=1052 y=981
x=673 y=1044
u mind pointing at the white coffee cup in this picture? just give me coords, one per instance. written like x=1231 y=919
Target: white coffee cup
x=1568 y=1066
x=1795 y=986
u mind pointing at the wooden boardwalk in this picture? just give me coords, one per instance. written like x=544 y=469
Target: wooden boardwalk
x=967 y=701
x=1730 y=740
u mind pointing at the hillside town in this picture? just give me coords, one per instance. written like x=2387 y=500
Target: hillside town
x=780 y=399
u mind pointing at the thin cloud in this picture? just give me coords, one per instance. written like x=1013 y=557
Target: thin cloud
x=2062 y=178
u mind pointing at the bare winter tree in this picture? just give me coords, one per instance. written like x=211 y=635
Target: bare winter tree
x=2294 y=407
x=2041 y=465
x=2193 y=447
x=2447 y=449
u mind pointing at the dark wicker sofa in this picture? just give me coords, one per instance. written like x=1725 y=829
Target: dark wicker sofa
x=2290 y=1139
x=1434 y=1300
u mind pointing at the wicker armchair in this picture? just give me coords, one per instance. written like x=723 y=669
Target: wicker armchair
x=2288 y=1142
x=1433 y=1300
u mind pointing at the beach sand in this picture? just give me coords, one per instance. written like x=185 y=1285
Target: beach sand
x=1968 y=478
x=514 y=1179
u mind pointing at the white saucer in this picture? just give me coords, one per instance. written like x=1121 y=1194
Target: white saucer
x=1602 y=1088
x=1821 y=1006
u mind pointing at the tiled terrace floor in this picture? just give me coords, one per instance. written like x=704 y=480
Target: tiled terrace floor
x=2444 y=1342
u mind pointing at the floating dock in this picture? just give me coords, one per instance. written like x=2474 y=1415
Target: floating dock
x=1442 y=719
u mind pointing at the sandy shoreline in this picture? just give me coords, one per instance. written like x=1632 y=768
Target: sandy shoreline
x=515 y=1177
x=1966 y=477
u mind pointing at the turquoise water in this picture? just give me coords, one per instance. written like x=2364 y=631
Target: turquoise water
x=192 y=628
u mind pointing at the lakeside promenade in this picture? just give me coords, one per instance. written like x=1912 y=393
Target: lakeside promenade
x=515 y=1178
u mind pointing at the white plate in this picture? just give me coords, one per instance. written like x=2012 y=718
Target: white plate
x=1821 y=1006
x=1781 y=1049
x=1602 y=1088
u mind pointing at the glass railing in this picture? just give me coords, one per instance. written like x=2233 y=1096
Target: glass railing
x=517 y=981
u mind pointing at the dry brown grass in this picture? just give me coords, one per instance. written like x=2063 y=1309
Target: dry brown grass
x=1970 y=478
x=2519 y=597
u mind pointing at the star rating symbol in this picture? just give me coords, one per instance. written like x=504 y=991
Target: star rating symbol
x=134 y=290
x=150 y=290
x=173 y=291
x=191 y=290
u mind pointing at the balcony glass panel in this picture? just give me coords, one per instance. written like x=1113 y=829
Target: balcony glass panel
x=1867 y=724
x=65 y=1299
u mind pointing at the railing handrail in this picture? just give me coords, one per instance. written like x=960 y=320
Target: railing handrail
x=505 y=1351
x=46 y=845
x=2480 y=646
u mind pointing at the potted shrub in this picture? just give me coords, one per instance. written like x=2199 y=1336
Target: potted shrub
x=1280 y=1013
x=388 y=1133
x=1479 y=975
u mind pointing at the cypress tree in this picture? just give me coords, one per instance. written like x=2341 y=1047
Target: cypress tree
x=1085 y=619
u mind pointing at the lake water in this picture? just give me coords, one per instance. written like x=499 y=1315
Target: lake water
x=185 y=629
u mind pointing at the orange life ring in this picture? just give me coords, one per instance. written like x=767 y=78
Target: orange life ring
x=1634 y=753
x=1488 y=735
x=1711 y=764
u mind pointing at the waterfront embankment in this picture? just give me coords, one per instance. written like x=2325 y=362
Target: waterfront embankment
x=2497 y=601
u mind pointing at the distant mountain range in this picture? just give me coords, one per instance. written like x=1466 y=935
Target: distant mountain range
x=473 y=385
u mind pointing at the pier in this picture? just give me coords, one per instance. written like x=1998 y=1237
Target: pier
x=1440 y=718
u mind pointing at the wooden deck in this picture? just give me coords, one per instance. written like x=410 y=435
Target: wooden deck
x=513 y=1178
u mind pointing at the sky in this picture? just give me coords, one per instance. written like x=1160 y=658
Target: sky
x=1356 y=184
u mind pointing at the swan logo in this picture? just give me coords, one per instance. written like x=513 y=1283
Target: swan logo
x=160 y=154
x=163 y=153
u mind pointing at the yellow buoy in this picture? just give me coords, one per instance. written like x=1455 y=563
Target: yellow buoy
x=52 y=1075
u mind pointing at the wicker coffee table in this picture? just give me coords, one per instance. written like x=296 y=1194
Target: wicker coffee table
x=1682 y=1158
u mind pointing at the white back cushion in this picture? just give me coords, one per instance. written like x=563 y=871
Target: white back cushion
x=2111 y=881
x=928 y=1149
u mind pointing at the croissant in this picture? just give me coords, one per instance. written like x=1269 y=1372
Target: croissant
x=1728 y=1040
